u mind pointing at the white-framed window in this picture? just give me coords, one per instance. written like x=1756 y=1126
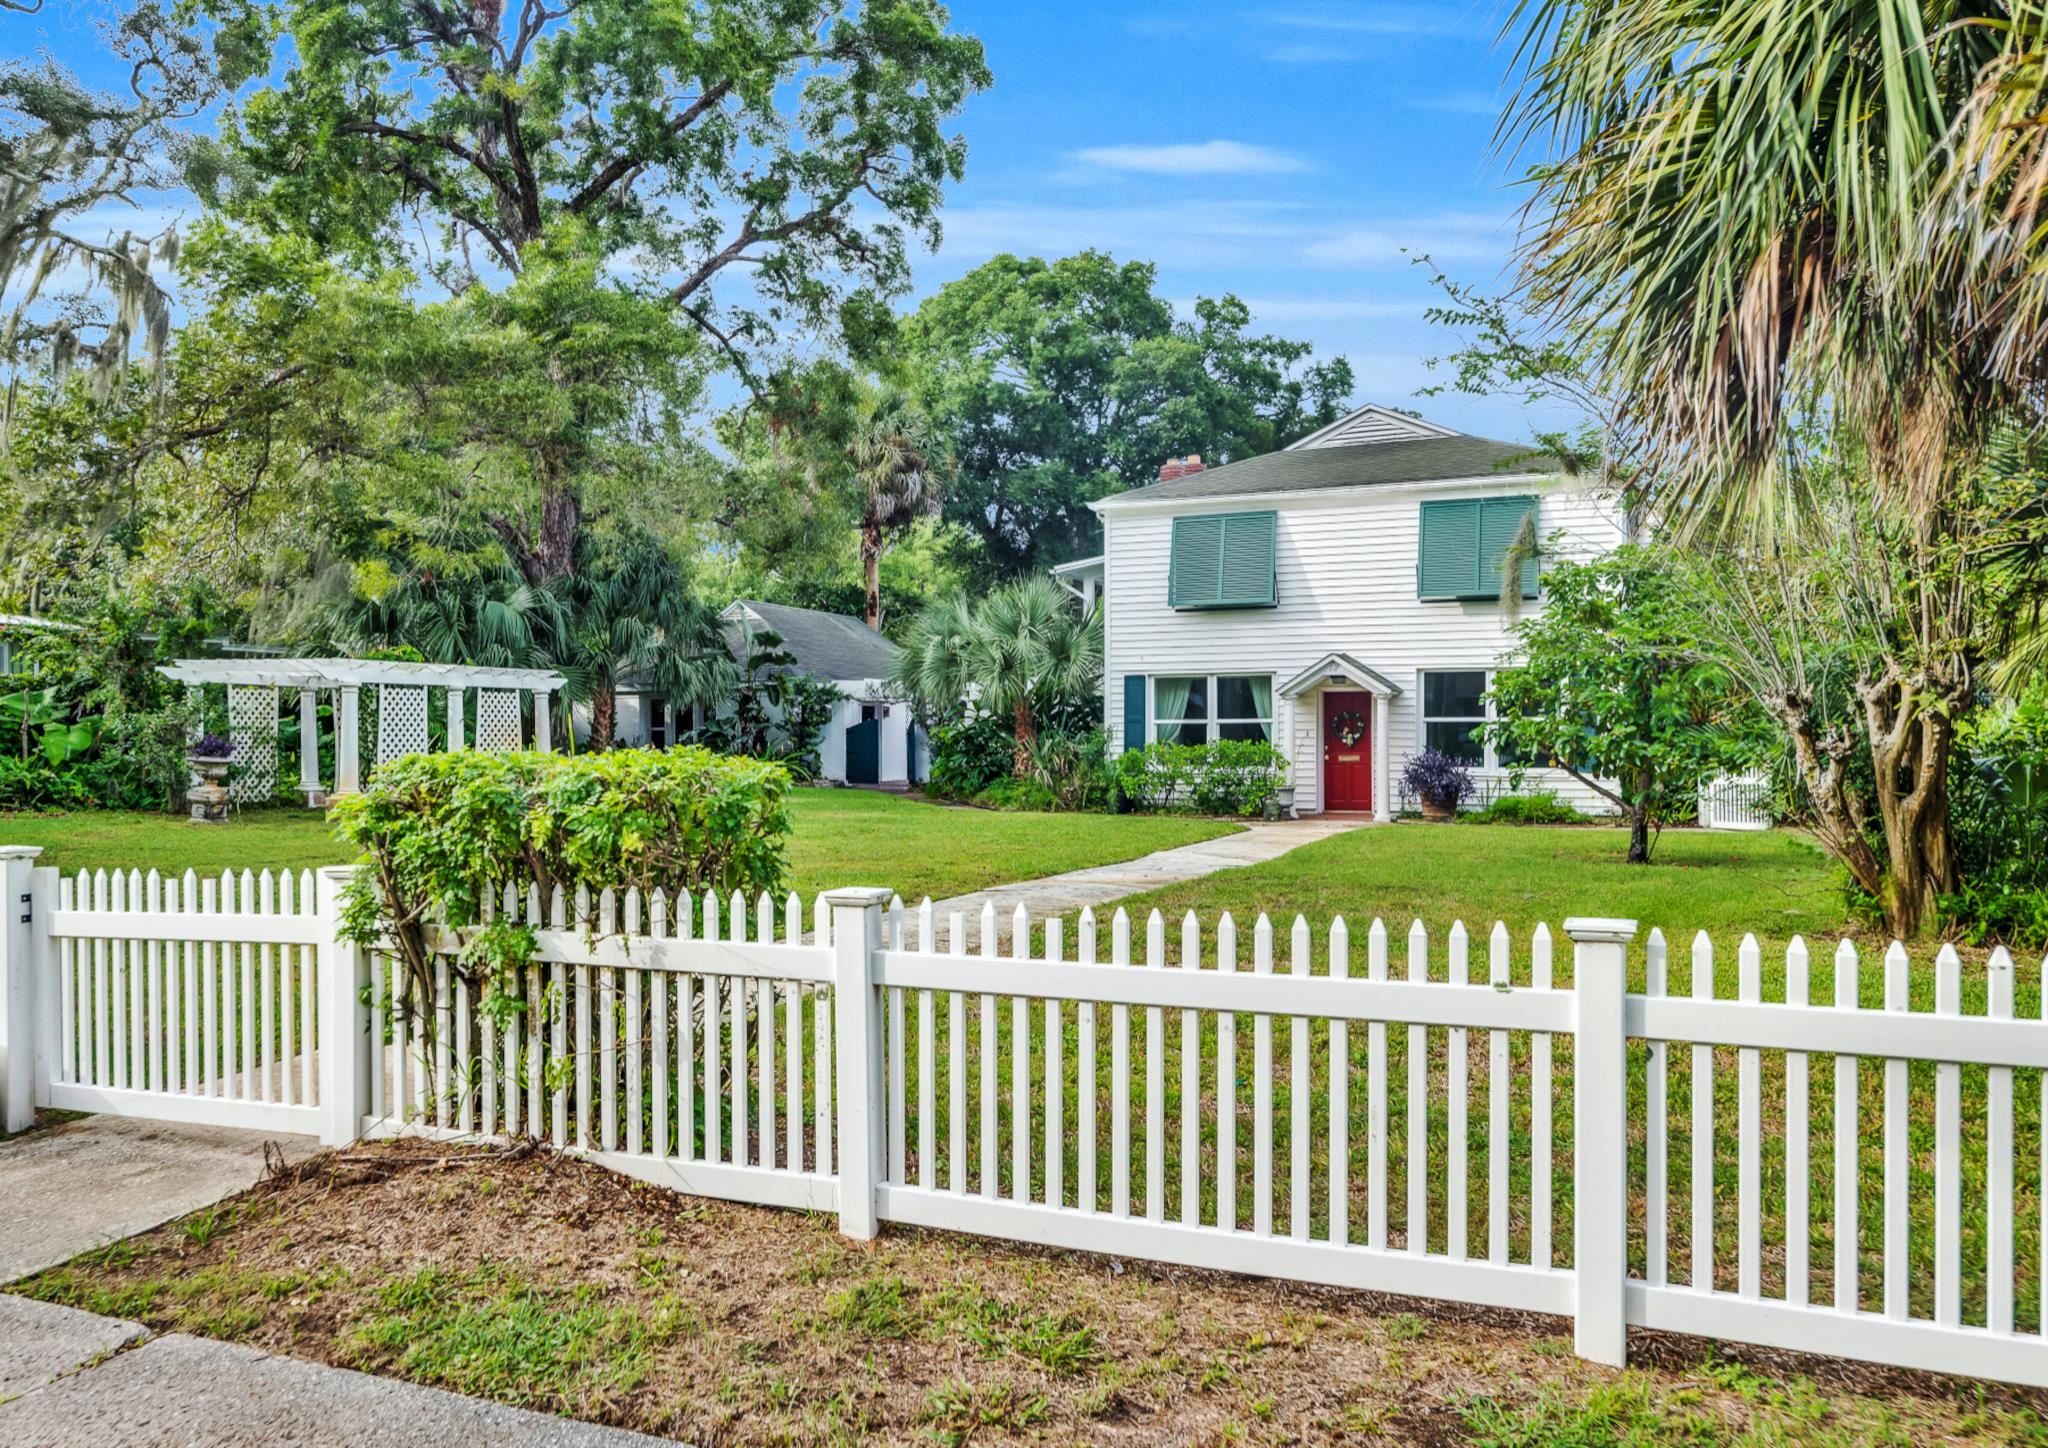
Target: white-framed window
x=1203 y=708
x=1454 y=706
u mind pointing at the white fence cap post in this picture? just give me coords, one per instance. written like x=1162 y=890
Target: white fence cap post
x=858 y=896
x=20 y=852
x=1594 y=929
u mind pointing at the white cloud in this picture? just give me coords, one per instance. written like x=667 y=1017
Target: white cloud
x=1311 y=53
x=1449 y=237
x=1200 y=233
x=1206 y=158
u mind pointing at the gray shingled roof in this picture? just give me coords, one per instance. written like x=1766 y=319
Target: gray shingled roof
x=1422 y=460
x=830 y=645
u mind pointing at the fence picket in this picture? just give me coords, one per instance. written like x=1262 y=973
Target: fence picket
x=898 y=1145
x=1457 y=1168
x=1339 y=1229
x=1848 y=1171
x=1120 y=1078
x=1497 y=1108
x=1898 y=1266
x=1998 y=1161
x=153 y=901
x=1020 y=1067
x=991 y=1046
x=1798 y=1167
x=1055 y=1082
x=927 y=1060
x=956 y=1065
x=1948 y=1152
x=1416 y=1162
x=1542 y=1137
x=1190 y=1083
x=1085 y=1101
x=1702 y=1221
x=764 y=1025
x=1155 y=1079
x=793 y=1033
x=1226 y=1084
x=1376 y=1097
x=1749 y=1133
x=1298 y=1093
x=1262 y=1088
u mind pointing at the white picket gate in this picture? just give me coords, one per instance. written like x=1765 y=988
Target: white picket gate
x=1515 y=1130
x=1736 y=802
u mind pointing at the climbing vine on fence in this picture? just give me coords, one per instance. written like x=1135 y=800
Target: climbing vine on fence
x=445 y=833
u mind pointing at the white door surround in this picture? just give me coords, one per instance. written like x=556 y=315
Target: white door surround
x=1302 y=696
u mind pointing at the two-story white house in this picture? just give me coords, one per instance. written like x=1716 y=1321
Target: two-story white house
x=1340 y=597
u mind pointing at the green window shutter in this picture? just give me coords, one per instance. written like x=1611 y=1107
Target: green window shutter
x=1134 y=711
x=1447 y=551
x=1224 y=560
x=1196 y=575
x=1500 y=520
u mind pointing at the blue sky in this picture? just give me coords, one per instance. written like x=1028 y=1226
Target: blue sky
x=1285 y=152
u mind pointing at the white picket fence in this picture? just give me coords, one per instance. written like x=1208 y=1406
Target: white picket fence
x=1513 y=1130
x=1736 y=802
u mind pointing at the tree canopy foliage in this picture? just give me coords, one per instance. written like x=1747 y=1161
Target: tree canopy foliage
x=1068 y=380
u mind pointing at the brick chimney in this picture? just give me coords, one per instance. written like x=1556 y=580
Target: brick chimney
x=1180 y=467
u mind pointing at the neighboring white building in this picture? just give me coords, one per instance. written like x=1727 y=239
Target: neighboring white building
x=1339 y=597
x=872 y=738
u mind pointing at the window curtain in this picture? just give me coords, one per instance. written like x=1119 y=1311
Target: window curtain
x=1262 y=702
x=1170 y=703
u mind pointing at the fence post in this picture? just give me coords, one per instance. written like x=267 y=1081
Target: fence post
x=856 y=937
x=344 y=1042
x=21 y=972
x=1600 y=1138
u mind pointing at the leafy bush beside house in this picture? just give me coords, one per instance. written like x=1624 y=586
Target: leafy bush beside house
x=1998 y=803
x=1227 y=777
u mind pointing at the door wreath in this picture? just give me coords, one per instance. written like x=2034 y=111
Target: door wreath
x=1349 y=727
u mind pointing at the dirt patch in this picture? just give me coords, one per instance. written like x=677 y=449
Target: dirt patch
x=549 y=1283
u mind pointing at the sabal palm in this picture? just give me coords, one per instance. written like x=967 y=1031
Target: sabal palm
x=1012 y=653
x=1730 y=209
x=631 y=613
x=900 y=463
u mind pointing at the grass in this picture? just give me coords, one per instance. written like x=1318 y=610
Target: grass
x=552 y=1284
x=1774 y=883
x=841 y=837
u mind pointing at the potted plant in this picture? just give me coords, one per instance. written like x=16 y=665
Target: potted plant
x=1439 y=781
x=210 y=756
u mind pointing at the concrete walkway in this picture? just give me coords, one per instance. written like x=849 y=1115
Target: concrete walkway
x=73 y=1379
x=67 y=1189
x=1101 y=885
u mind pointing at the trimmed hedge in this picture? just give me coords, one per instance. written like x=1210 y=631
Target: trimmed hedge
x=1229 y=777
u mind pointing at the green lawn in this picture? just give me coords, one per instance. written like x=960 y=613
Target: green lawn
x=842 y=837
x=1773 y=883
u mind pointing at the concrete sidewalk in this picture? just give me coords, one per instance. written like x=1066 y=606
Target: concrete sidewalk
x=73 y=1379
x=69 y=1188
x=1101 y=885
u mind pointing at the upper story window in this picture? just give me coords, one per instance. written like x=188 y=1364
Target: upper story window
x=1460 y=543
x=1224 y=560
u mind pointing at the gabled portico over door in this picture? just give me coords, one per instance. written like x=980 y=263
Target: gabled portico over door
x=1350 y=763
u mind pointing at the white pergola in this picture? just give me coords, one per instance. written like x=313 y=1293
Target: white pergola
x=254 y=684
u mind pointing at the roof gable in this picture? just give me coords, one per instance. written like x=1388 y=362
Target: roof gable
x=1370 y=423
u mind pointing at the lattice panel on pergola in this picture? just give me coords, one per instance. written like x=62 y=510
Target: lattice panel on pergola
x=401 y=721
x=252 y=726
x=497 y=719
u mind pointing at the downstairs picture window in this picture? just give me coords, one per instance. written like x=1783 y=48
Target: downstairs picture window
x=1454 y=706
x=1203 y=708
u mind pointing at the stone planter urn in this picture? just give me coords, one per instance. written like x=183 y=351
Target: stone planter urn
x=210 y=759
x=1280 y=803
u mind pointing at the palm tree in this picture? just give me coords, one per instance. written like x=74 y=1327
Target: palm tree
x=1732 y=213
x=629 y=611
x=1017 y=651
x=900 y=462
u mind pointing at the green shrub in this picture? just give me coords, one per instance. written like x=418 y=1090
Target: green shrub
x=1540 y=808
x=1074 y=769
x=1998 y=810
x=1229 y=777
x=445 y=832
x=1017 y=794
x=970 y=755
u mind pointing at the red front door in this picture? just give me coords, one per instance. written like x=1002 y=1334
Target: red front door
x=1347 y=751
